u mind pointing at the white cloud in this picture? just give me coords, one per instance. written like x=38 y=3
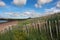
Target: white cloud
x=25 y=14
x=44 y=1
x=38 y=6
x=2 y=3
x=12 y=14
x=32 y=14
x=41 y=2
x=52 y=10
x=58 y=4
x=19 y=2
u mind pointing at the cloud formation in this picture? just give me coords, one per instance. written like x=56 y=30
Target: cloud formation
x=25 y=14
x=58 y=4
x=54 y=9
x=12 y=14
x=32 y=14
x=51 y=11
x=41 y=2
x=2 y=4
x=19 y=2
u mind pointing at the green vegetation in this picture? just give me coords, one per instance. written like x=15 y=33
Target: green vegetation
x=43 y=28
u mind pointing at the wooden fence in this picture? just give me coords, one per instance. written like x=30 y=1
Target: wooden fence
x=49 y=29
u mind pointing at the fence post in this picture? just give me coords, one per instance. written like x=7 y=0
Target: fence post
x=47 y=29
x=50 y=30
x=56 y=23
x=27 y=29
x=59 y=25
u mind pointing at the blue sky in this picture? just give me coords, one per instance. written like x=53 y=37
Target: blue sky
x=27 y=8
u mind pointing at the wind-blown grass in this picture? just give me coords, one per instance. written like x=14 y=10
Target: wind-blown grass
x=34 y=29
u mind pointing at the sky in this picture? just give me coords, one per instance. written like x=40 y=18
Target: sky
x=28 y=8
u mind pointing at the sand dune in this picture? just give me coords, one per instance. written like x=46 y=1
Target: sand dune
x=6 y=25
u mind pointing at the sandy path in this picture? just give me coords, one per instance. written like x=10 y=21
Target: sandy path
x=6 y=25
